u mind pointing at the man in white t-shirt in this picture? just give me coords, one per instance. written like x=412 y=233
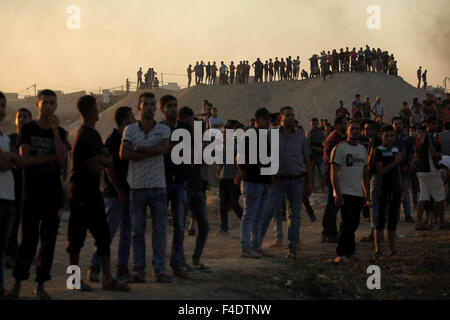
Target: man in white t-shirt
x=350 y=180
x=8 y=159
x=144 y=144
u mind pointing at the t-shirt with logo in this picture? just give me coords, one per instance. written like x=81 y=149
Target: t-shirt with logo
x=352 y=159
x=390 y=181
x=42 y=180
x=147 y=173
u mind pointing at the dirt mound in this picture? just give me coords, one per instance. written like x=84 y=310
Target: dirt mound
x=309 y=98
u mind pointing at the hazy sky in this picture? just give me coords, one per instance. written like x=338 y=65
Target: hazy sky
x=117 y=36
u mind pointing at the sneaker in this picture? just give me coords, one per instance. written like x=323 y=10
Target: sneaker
x=161 y=278
x=265 y=253
x=191 y=232
x=93 y=274
x=277 y=243
x=224 y=233
x=138 y=278
x=9 y=262
x=341 y=259
x=250 y=253
x=180 y=273
x=188 y=268
x=409 y=219
x=124 y=275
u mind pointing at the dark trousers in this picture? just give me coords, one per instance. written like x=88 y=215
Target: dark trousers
x=350 y=212
x=39 y=220
x=329 y=216
x=13 y=243
x=229 y=196
x=88 y=214
x=388 y=209
x=199 y=213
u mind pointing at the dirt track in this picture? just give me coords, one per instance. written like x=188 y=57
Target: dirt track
x=421 y=271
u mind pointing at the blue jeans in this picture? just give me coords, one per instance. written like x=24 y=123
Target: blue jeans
x=200 y=214
x=177 y=195
x=374 y=202
x=7 y=218
x=117 y=216
x=317 y=161
x=156 y=199
x=255 y=196
x=293 y=189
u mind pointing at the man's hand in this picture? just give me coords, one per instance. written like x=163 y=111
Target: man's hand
x=237 y=180
x=398 y=157
x=309 y=188
x=339 y=201
x=124 y=199
x=54 y=122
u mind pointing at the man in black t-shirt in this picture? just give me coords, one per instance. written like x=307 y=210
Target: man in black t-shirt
x=390 y=191
x=43 y=147
x=116 y=197
x=87 y=208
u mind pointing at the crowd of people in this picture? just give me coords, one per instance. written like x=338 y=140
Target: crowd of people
x=321 y=65
x=149 y=80
x=368 y=167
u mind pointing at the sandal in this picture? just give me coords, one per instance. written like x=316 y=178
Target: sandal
x=116 y=285
x=42 y=295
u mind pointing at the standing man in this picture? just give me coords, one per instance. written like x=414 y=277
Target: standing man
x=177 y=177
x=256 y=190
x=232 y=72
x=144 y=144
x=23 y=116
x=189 y=75
x=329 y=231
x=293 y=178
x=387 y=159
x=430 y=182
x=316 y=137
x=424 y=79
x=9 y=158
x=378 y=109
x=406 y=148
x=419 y=76
x=116 y=196
x=87 y=207
x=42 y=146
x=350 y=180
x=139 y=79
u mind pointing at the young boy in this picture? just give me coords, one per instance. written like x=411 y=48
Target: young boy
x=390 y=191
x=8 y=159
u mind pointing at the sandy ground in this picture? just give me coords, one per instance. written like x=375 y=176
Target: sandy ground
x=233 y=277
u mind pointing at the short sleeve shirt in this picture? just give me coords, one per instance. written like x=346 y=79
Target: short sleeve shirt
x=390 y=180
x=6 y=177
x=150 y=172
x=352 y=159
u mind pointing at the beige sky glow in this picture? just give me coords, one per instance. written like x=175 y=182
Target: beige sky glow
x=117 y=37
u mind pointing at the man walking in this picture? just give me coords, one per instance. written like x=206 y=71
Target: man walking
x=419 y=76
